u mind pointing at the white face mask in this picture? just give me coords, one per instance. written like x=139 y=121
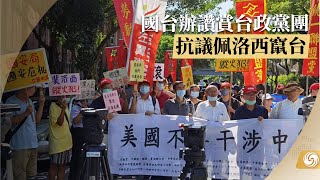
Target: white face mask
x=194 y=94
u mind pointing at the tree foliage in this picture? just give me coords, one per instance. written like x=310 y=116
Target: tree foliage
x=76 y=25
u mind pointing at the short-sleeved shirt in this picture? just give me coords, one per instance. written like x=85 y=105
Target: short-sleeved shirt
x=235 y=104
x=287 y=109
x=162 y=99
x=244 y=113
x=26 y=136
x=212 y=113
x=60 y=138
x=172 y=107
x=75 y=111
x=146 y=105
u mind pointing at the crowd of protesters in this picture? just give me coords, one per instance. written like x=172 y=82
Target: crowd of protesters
x=212 y=101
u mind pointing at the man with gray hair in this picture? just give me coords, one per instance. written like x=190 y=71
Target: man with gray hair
x=211 y=109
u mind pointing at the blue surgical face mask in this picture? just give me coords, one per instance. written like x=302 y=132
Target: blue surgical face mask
x=250 y=103
x=181 y=93
x=66 y=99
x=107 y=90
x=161 y=86
x=144 y=89
x=212 y=98
x=194 y=94
x=225 y=92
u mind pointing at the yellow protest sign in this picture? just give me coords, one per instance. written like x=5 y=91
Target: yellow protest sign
x=187 y=76
x=30 y=68
x=136 y=71
x=232 y=65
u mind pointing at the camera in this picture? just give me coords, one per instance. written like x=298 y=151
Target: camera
x=194 y=152
x=94 y=125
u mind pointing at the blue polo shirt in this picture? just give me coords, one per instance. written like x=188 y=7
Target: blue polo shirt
x=244 y=113
x=26 y=136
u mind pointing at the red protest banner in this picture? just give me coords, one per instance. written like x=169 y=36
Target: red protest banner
x=124 y=11
x=257 y=73
x=311 y=65
x=170 y=65
x=144 y=45
x=116 y=57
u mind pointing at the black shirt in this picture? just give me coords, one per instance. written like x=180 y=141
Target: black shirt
x=244 y=113
x=235 y=104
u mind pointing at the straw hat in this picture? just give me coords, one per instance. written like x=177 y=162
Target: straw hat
x=292 y=86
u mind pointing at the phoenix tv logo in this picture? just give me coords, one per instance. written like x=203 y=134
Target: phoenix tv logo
x=309 y=160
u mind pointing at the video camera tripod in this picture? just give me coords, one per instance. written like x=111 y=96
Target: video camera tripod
x=194 y=153
x=95 y=165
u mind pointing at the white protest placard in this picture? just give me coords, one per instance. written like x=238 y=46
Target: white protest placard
x=158 y=72
x=119 y=77
x=243 y=149
x=87 y=88
x=112 y=101
x=64 y=84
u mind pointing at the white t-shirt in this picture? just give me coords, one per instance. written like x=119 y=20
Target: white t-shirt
x=146 y=105
x=212 y=113
x=286 y=109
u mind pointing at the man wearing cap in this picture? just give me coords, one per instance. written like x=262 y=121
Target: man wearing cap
x=142 y=102
x=225 y=98
x=250 y=109
x=314 y=89
x=288 y=108
x=106 y=86
x=212 y=109
x=267 y=102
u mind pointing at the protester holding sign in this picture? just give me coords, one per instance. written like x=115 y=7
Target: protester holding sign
x=24 y=142
x=250 y=109
x=179 y=105
x=60 y=139
x=212 y=109
x=142 y=102
x=105 y=86
x=288 y=108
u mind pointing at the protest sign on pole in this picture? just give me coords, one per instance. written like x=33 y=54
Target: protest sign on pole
x=119 y=77
x=257 y=73
x=64 y=84
x=136 y=71
x=30 y=68
x=311 y=65
x=124 y=11
x=170 y=65
x=145 y=37
x=88 y=89
x=239 y=149
x=158 y=72
x=232 y=65
x=112 y=101
x=116 y=56
x=187 y=76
